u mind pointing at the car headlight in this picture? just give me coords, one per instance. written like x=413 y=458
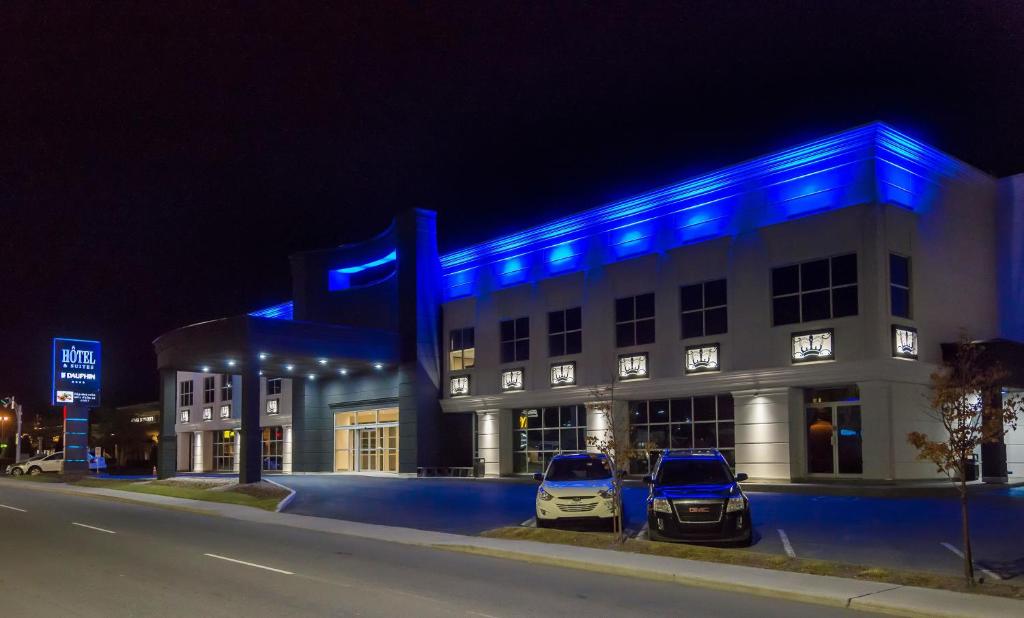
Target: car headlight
x=661 y=505
x=736 y=504
x=543 y=495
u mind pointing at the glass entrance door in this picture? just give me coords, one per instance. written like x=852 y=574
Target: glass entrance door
x=834 y=443
x=366 y=441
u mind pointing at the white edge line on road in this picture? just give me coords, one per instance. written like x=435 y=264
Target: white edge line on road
x=961 y=555
x=75 y=523
x=12 y=508
x=258 y=566
x=786 y=545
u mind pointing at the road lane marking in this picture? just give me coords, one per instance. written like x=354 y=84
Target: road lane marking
x=258 y=566
x=786 y=545
x=75 y=523
x=961 y=555
x=13 y=508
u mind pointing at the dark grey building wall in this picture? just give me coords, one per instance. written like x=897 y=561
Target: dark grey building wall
x=313 y=416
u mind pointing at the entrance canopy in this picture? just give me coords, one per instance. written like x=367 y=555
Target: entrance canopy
x=278 y=348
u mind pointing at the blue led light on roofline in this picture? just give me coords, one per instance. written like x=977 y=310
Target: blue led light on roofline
x=872 y=163
x=282 y=311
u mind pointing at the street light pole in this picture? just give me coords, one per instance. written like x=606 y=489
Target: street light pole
x=17 y=437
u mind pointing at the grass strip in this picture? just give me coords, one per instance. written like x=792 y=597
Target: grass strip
x=741 y=557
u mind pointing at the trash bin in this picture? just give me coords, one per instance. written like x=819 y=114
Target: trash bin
x=478 y=467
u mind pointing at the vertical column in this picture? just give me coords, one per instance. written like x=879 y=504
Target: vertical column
x=198 y=450
x=877 y=440
x=167 y=447
x=603 y=419
x=76 y=440
x=238 y=450
x=419 y=319
x=250 y=468
x=494 y=441
x=286 y=455
x=299 y=421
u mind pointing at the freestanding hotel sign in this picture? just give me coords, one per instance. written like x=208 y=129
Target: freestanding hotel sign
x=76 y=387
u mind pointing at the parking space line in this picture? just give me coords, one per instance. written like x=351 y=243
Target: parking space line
x=75 y=523
x=961 y=555
x=258 y=566
x=12 y=508
x=529 y=523
x=786 y=545
x=643 y=534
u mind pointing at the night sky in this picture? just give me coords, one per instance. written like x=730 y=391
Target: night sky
x=158 y=166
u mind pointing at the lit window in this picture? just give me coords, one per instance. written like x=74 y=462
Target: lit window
x=208 y=389
x=540 y=434
x=904 y=342
x=632 y=366
x=634 y=320
x=185 y=393
x=563 y=374
x=703 y=308
x=816 y=290
x=515 y=340
x=813 y=346
x=461 y=349
x=565 y=332
x=700 y=358
x=225 y=388
x=512 y=380
x=899 y=285
x=459 y=386
x=225 y=411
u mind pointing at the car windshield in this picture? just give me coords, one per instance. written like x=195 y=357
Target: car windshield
x=579 y=469
x=694 y=472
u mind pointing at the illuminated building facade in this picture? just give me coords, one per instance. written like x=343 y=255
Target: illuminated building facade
x=787 y=310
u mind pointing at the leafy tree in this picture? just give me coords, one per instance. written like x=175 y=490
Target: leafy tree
x=966 y=399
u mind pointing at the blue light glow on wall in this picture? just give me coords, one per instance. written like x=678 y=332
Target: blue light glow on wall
x=872 y=163
x=283 y=311
x=361 y=274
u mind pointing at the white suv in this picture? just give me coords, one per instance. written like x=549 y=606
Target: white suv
x=576 y=488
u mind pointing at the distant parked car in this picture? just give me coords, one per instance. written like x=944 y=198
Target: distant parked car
x=576 y=487
x=695 y=498
x=52 y=463
x=18 y=465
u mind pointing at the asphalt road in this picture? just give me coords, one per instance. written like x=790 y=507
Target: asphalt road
x=901 y=532
x=89 y=557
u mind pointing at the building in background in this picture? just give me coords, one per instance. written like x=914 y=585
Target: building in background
x=787 y=310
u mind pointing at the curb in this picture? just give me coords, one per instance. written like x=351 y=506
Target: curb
x=283 y=504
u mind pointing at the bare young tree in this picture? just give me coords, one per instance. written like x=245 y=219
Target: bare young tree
x=966 y=399
x=614 y=443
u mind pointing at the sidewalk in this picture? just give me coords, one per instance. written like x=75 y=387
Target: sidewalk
x=855 y=594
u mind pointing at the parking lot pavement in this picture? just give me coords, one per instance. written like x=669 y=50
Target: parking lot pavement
x=894 y=532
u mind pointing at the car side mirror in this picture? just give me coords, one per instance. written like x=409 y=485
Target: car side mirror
x=538 y=476
x=742 y=476
x=649 y=479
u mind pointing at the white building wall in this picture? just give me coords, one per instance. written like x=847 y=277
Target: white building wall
x=763 y=433
x=1014 y=440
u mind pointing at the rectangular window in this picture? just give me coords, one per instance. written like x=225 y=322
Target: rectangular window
x=689 y=422
x=209 y=389
x=703 y=306
x=223 y=450
x=816 y=290
x=515 y=340
x=565 y=332
x=185 y=393
x=225 y=388
x=274 y=386
x=273 y=449
x=634 y=320
x=541 y=433
x=461 y=349
x=899 y=285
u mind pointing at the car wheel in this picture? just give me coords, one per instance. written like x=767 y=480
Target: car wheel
x=17 y=472
x=34 y=471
